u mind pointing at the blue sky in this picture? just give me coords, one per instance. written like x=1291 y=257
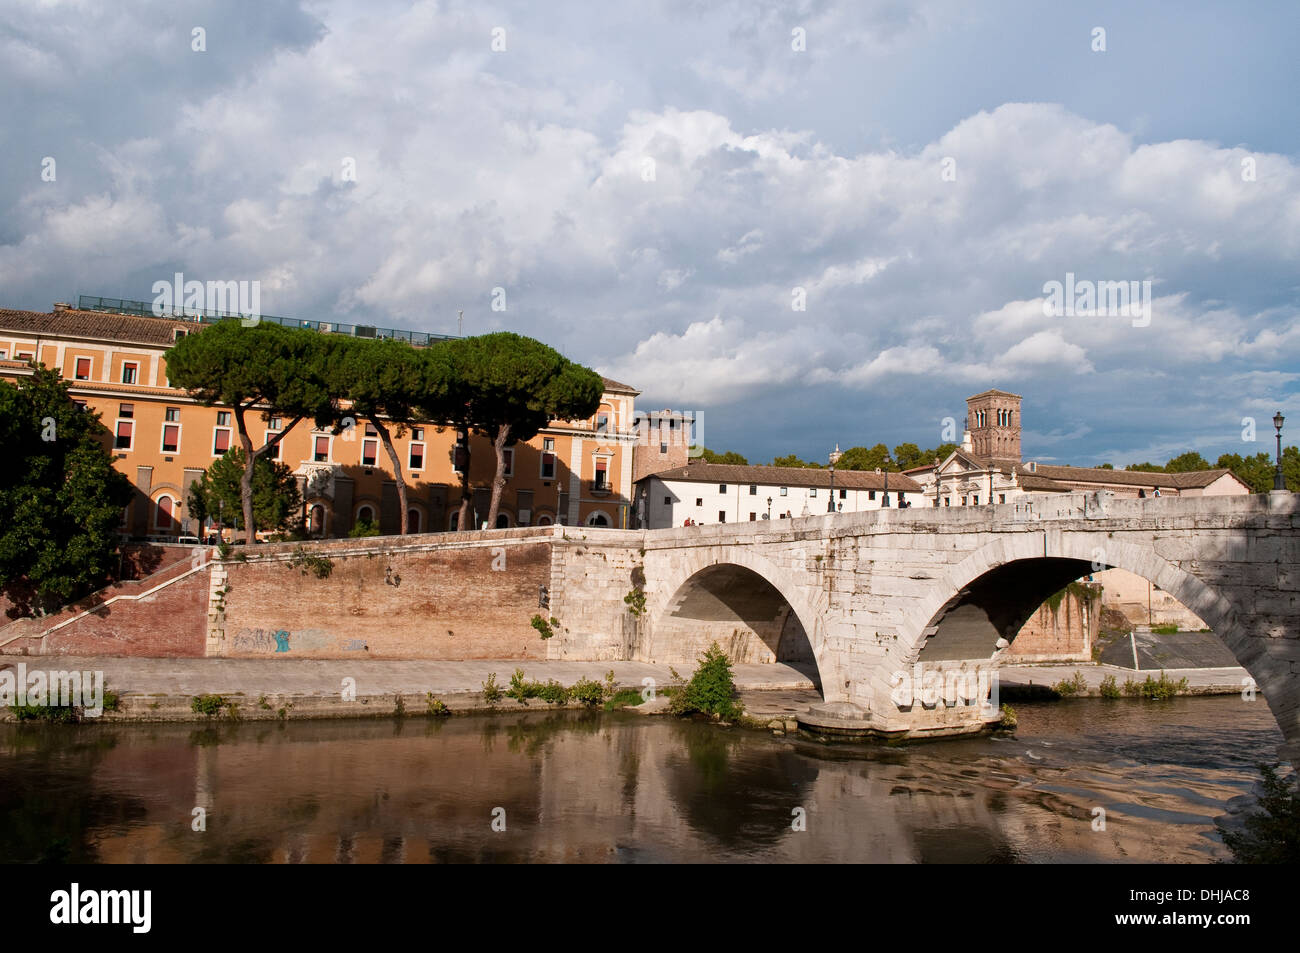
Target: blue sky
x=774 y=169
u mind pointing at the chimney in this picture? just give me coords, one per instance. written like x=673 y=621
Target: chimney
x=61 y=306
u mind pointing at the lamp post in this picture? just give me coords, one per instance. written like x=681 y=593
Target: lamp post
x=885 y=501
x=834 y=458
x=769 y=507
x=1279 y=481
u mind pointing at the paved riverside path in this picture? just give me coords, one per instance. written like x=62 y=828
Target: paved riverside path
x=1200 y=681
x=253 y=677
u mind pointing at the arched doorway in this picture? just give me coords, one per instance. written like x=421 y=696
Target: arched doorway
x=414 y=520
x=503 y=521
x=316 y=520
x=599 y=518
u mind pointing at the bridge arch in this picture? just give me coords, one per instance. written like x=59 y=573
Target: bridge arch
x=737 y=584
x=1025 y=569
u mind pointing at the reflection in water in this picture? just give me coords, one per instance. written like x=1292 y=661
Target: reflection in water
x=579 y=786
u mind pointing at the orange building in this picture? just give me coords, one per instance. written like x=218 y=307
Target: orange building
x=572 y=472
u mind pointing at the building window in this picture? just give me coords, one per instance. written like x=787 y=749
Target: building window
x=871 y=494
x=602 y=423
x=699 y=501
x=947 y=501
x=663 y=448
x=416 y=461
x=83 y=369
x=172 y=415
x=509 y=457
x=322 y=450
x=220 y=441
x=171 y=440
x=129 y=373
x=975 y=500
x=273 y=451
x=963 y=501
x=722 y=488
x=371 y=431
x=548 y=458
x=1002 y=497
x=417 y=433
x=753 y=489
x=273 y=424
x=369 y=449
x=813 y=491
x=668 y=501
x=722 y=517
x=753 y=517
x=844 y=494
x=602 y=474
x=123 y=438
x=223 y=420
x=126 y=410
x=783 y=489
x=4 y=354
x=23 y=356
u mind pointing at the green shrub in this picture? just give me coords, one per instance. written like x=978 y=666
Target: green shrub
x=1074 y=686
x=436 y=706
x=491 y=690
x=1008 y=717
x=53 y=713
x=710 y=690
x=547 y=629
x=635 y=601
x=1108 y=687
x=207 y=705
x=399 y=707
x=1272 y=833
x=588 y=691
x=553 y=692
x=1164 y=629
x=624 y=698
x=319 y=566
x=522 y=690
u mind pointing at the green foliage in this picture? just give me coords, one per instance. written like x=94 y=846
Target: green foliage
x=277 y=503
x=863 y=458
x=711 y=689
x=436 y=706
x=61 y=499
x=363 y=528
x=58 y=714
x=399 y=706
x=1145 y=468
x=1159 y=689
x=1272 y=832
x=112 y=700
x=491 y=690
x=1187 y=463
x=553 y=692
x=305 y=562
x=624 y=698
x=546 y=628
x=521 y=690
x=1168 y=629
x=635 y=601
x=1076 y=685
x=207 y=705
x=793 y=461
x=263 y=703
x=1008 y=720
x=730 y=457
x=588 y=691
x=1108 y=687
x=1257 y=470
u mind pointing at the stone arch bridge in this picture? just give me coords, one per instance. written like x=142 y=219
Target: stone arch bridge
x=873 y=603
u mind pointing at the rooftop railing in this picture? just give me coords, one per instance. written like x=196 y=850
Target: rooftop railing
x=199 y=316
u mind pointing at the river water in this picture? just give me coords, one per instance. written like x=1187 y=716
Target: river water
x=575 y=786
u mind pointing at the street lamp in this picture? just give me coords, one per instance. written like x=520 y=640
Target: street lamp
x=885 y=501
x=834 y=458
x=1279 y=481
x=769 y=507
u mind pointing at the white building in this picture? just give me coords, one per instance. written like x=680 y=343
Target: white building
x=708 y=493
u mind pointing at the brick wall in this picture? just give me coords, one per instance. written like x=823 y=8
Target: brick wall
x=399 y=600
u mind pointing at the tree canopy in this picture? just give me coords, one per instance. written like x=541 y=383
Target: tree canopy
x=277 y=503
x=61 y=499
x=730 y=457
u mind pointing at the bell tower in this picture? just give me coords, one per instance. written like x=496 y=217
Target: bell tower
x=993 y=419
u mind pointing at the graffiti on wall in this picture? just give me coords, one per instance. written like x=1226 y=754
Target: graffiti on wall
x=273 y=641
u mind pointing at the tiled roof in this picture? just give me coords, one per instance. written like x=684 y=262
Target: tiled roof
x=787 y=476
x=94 y=325
x=615 y=386
x=1195 y=479
x=994 y=393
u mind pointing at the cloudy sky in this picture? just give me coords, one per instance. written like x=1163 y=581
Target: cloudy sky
x=816 y=223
